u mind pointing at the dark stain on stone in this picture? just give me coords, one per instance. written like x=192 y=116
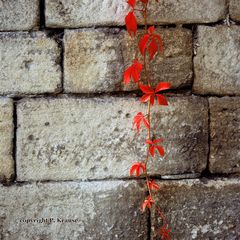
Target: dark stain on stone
x=30 y=137
x=47 y=124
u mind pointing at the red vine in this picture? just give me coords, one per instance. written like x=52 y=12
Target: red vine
x=149 y=45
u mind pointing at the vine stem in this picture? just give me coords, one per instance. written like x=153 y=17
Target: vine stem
x=147 y=77
x=149 y=105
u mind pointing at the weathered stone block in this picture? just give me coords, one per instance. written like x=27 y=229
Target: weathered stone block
x=95 y=60
x=225 y=135
x=200 y=210
x=29 y=64
x=6 y=139
x=96 y=210
x=65 y=139
x=234 y=8
x=217 y=62
x=19 y=15
x=76 y=13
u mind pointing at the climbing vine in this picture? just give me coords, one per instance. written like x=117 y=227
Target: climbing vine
x=149 y=45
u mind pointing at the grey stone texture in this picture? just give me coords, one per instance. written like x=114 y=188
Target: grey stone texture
x=18 y=15
x=216 y=64
x=234 y=8
x=199 y=209
x=6 y=140
x=29 y=64
x=94 y=60
x=76 y=13
x=225 y=135
x=69 y=138
x=96 y=210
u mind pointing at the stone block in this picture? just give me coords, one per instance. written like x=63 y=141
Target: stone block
x=199 y=210
x=94 y=60
x=6 y=140
x=30 y=64
x=18 y=15
x=76 y=13
x=65 y=139
x=225 y=135
x=97 y=210
x=217 y=61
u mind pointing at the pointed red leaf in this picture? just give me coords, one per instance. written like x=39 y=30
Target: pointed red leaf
x=131 y=23
x=127 y=75
x=153 y=185
x=137 y=167
x=146 y=89
x=162 y=100
x=152 y=48
x=160 y=150
x=152 y=100
x=138 y=119
x=149 y=142
x=162 y=86
x=146 y=123
x=158 y=140
x=145 y=97
x=133 y=72
x=147 y=203
x=151 y=29
x=131 y=3
x=151 y=150
x=143 y=43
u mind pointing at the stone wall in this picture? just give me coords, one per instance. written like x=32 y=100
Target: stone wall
x=66 y=140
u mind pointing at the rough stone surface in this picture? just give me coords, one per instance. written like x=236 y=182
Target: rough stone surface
x=19 y=15
x=216 y=65
x=29 y=64
x=94 y=60
x=234 y=8
x=97 y=210
x=64 y=138
x=6 y=139
x=225 y=135
x=76 y=13
x=200 y=210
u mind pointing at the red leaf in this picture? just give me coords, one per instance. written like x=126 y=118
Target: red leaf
x=127 y=75
x=145 y=98
x=133 y=72
x=146 y=89
x=153 y=185
x=162 y=86
x=158 y=140
x=149 y=142
x=146 y=123
x=138 y=119
x=131 y=23
x=152 y=48
x=152 y=100
x=160 y=150
x=151 y=29
x=162 y=100
x=165 y=232
x=151 y=150
x=147 y=203
x=143 y=43
x=137 y=168
x=131 y=3
x=153 y=145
